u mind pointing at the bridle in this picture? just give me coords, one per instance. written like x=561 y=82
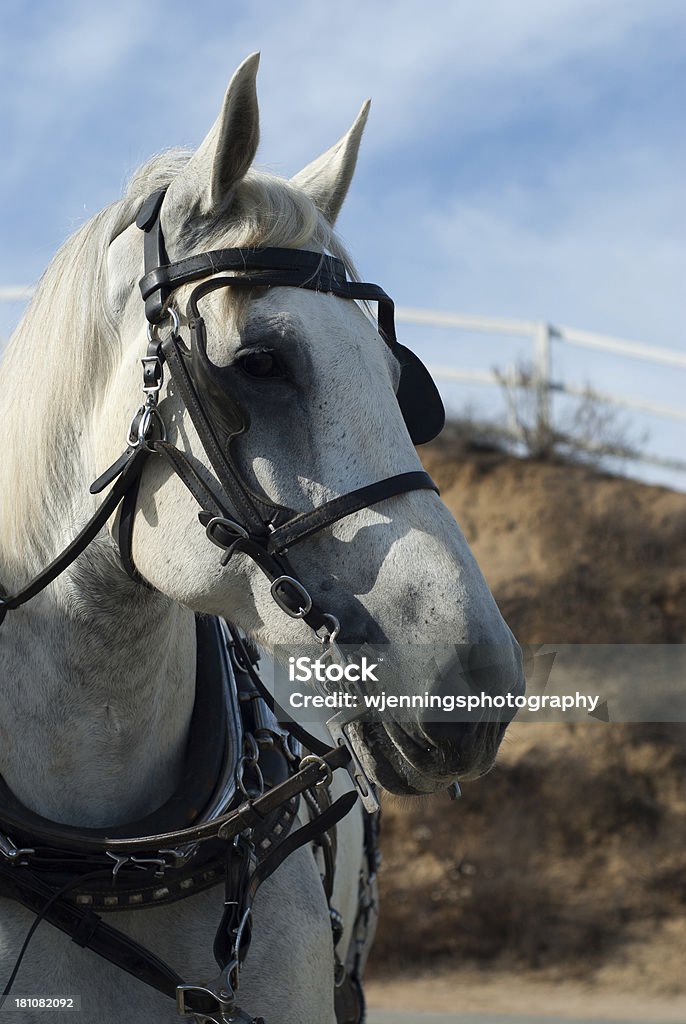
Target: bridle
x=235 y=517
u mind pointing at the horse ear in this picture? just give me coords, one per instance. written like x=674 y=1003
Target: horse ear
x=327 y=179
x=229 y=148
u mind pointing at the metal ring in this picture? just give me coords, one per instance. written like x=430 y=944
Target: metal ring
x=140 y=425
x=315 y=759
x=240 y=772
x=297 y=586
x=174 y=328
x=253 y=756
x=150 y=413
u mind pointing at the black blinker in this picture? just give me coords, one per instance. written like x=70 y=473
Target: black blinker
x=418 y=397
x=228 y=416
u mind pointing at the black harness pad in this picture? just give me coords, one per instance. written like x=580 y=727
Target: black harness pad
x=418 y=397
x=211 y=381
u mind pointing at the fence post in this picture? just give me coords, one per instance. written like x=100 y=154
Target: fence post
x=542 y=361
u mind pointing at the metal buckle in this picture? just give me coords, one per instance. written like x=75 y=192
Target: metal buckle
x=229 y=525
x=221 y=990
x=146 y=416
x=327 y=774
x=300 y=590
x=155 y=363
x=337 y=729
x=15 y=855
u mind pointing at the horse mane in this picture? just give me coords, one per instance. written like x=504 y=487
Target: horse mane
x=58 y=361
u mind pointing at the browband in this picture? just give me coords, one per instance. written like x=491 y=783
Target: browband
x=271 y=266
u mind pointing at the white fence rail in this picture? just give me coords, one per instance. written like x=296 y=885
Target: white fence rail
x=543 y=336
x=16 y=293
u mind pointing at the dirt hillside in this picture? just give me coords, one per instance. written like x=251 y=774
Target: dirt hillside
x=569 y=859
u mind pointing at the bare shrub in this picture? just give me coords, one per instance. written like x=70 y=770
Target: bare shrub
x=589 y=431
x=471 y=431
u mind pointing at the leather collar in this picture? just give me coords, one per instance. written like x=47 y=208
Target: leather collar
x=214 y=730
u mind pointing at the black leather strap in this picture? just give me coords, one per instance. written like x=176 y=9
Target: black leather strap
x=132 y=467
x=315 y=828
x=181 y=464
x=248 y=513
x=148 y=220
x=165 y=276
x=270 y=529
x=127 y=516
x=305 y=524
x=250 y=814
x=298 y=274
x=89 y=931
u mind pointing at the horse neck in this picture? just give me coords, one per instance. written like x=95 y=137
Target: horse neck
x=98 y=685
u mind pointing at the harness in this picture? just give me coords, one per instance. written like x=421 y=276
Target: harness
x=72 y=876
x=238 y=829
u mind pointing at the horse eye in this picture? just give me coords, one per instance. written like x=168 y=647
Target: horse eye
x=261 y=364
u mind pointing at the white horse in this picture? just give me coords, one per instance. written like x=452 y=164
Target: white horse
x=97 y=673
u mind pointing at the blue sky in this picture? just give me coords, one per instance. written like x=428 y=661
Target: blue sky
x=522 y=159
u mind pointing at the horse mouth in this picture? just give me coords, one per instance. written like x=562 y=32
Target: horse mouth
x=405 y=764
x=399 y=765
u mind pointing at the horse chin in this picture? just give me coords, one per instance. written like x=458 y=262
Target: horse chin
x=393 y=765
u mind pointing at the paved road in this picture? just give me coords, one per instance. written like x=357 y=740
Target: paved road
x=409 y=1017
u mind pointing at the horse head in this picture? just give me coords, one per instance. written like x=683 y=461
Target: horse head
x=310 y=402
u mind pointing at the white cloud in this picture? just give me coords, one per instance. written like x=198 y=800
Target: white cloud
x=608 y=259
x=595 y=238
x=425 y=65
